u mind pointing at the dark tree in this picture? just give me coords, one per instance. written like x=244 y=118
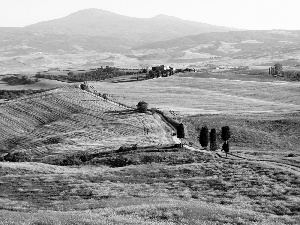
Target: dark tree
x=225 y=133
x=142 y=106
x=225 y=147
x=180 y=131
x=203 y=139
x=278 y=68
x=213 y=140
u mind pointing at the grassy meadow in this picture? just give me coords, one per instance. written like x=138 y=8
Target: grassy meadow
x=68 y=167
x=208 y=95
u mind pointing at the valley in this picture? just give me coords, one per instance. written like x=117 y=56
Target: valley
x=75 y=153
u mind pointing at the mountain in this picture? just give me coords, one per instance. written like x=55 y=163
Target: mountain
x=96 y=22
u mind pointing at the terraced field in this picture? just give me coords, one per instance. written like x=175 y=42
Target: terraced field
x=68 y=119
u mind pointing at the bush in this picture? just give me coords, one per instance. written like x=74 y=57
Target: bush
x=118 y=161
x=213 y=140
x=142 y=106
x=18 y=156
x=203 y=139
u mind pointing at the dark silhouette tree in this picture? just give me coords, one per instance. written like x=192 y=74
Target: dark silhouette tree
x=225 y=147
x=142 y=106
x=203 y=139
x=213 y=140
x=180 y=132
x=225 y=133
x=225 y=137
x=278 y=68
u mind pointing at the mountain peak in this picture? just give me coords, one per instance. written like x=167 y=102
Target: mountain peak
x=98 y=22
x=165 y=17
x=91 y=12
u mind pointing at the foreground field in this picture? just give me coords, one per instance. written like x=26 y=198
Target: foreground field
x=158 y=186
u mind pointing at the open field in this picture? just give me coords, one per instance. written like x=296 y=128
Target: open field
x=159 y=186
x=194 y=95
x=72 y=171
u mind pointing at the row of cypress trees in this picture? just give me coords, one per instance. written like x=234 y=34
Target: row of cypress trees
x=207 y=137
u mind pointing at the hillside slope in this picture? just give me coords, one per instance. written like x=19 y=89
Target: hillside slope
x=234 y=47
x=67 y=120
x=98 y=22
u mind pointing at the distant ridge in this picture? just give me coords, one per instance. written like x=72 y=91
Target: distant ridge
x=97 y=22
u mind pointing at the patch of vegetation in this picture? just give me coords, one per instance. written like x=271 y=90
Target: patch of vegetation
x=127 y=156
x=270 y=132
x=13 y=80
x=142 y=106
x=95 y=75
x=12 y=94
x=277 y=70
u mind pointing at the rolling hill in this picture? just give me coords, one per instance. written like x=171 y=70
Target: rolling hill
x=96 y=22
x=67 y=120
x=233 y=47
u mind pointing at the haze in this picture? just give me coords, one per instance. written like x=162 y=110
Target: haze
x=245 y=14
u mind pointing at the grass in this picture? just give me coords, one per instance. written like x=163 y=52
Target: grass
x=197 y=95
x=68 y=120
x=155 y=182
x=192 y=188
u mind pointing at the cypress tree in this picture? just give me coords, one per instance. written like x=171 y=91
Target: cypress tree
x=180 y=131
x=225 y=133
x=204 y=137
x=225 y=147
x=213 y=140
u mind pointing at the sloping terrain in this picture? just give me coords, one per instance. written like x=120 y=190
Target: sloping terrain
x=227 y=48
x=66 y=165
x=96 y=22
x=196 y=93
x=68 y=119
x=156 y=186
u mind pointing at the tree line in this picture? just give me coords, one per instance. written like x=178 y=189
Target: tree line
x=14 y=80
x=12 y=94
x=277 y=70
x=95 y=75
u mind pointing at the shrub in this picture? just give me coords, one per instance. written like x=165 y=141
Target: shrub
x=18 y=156
x=225 y=133
x=142 y=106
x=213 y=140
x=203 y=139
x=118 y=161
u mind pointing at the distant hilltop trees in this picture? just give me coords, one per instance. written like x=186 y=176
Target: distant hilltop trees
x=277 y=70
x=12 y=94
x=14 y=80
x=101 y=73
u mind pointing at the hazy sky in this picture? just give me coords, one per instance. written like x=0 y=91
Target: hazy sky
x=246 y=14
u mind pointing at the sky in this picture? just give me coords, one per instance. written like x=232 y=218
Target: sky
x=243 y=14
